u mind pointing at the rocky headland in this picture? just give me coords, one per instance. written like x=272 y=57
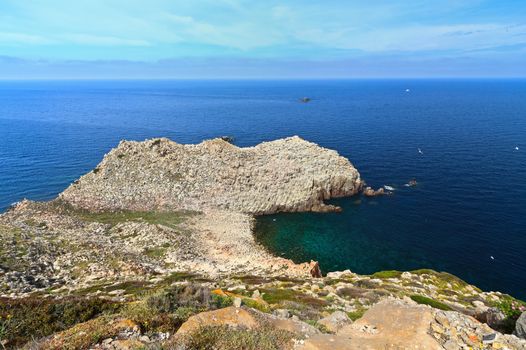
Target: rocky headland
x=153 y=249
x=287 y=175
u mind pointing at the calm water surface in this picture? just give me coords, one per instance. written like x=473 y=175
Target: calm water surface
x=469 y=206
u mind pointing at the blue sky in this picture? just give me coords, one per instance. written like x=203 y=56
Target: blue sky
x=261 y=39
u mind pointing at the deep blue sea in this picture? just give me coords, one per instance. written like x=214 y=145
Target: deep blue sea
x=469 y=205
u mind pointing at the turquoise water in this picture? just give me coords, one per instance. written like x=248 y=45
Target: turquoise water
x=469 y=205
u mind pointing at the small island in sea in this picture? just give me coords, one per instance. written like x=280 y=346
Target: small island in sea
x=154 y=249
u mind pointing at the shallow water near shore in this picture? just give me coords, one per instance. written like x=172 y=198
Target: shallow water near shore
x=466 y=216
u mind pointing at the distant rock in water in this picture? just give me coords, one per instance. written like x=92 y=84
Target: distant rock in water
x=286 y=175
x=370 y=192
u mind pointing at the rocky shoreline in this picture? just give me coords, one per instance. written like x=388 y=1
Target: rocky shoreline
x=154 y=249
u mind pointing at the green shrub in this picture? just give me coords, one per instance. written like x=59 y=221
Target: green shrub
x=354 y=315
x=221 y=301
x=512 y=308
x=256 y=305
x=227 y=338
x=33 y=318
x=431 y=302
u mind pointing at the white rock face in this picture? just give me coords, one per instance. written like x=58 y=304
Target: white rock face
x=285 y=175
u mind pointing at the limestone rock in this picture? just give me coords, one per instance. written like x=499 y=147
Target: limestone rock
x=286 y=175
x=494 y=317
x=230 y=316
x=520 y=326
x=281 y=313
x=392 y=324
x=335 y=321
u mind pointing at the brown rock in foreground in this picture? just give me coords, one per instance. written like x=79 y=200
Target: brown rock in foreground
x=286 y=175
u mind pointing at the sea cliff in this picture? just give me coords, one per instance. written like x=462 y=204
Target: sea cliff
x=154 y=249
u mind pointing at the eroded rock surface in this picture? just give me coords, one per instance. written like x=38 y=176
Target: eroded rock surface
x=285 y=175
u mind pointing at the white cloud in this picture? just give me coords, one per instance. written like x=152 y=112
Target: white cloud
x=86 y=39
x=22 y=38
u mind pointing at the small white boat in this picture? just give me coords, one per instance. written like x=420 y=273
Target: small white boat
x=389 y=188
x=420 y=151
x=517 y=148
x=407 y=90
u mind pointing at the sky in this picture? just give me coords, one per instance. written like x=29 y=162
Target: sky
x=65 y=39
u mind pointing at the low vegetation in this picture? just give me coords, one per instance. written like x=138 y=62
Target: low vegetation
x=30 y=318
x=227 y=338
x=431 y=302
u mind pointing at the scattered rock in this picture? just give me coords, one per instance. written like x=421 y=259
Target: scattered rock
x=237 y=302
x=335 y=321
x=281 y=313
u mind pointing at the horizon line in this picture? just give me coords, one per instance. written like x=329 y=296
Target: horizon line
x=503 y=77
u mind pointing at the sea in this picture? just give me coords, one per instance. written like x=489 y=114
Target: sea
x=464 y=141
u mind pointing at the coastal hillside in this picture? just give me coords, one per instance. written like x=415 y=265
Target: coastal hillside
x=154 y=249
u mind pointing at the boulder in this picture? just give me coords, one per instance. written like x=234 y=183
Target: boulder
x=494 y=318
x=299 y=328
x=315 y=270
x=520 y=326
x=335 y=321
x=230 y=316
x=390 y=324
x=281 y=313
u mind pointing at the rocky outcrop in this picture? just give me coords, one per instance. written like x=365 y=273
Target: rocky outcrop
x=390 y=324
x=397 y=324
x=287 y=175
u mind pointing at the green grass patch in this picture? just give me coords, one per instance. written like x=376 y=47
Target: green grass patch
x=354 y=315
x=387 y=274
x=169 y=219
x=155 y=252
x=276 y=296
x=420 y=299
x=256 y=305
